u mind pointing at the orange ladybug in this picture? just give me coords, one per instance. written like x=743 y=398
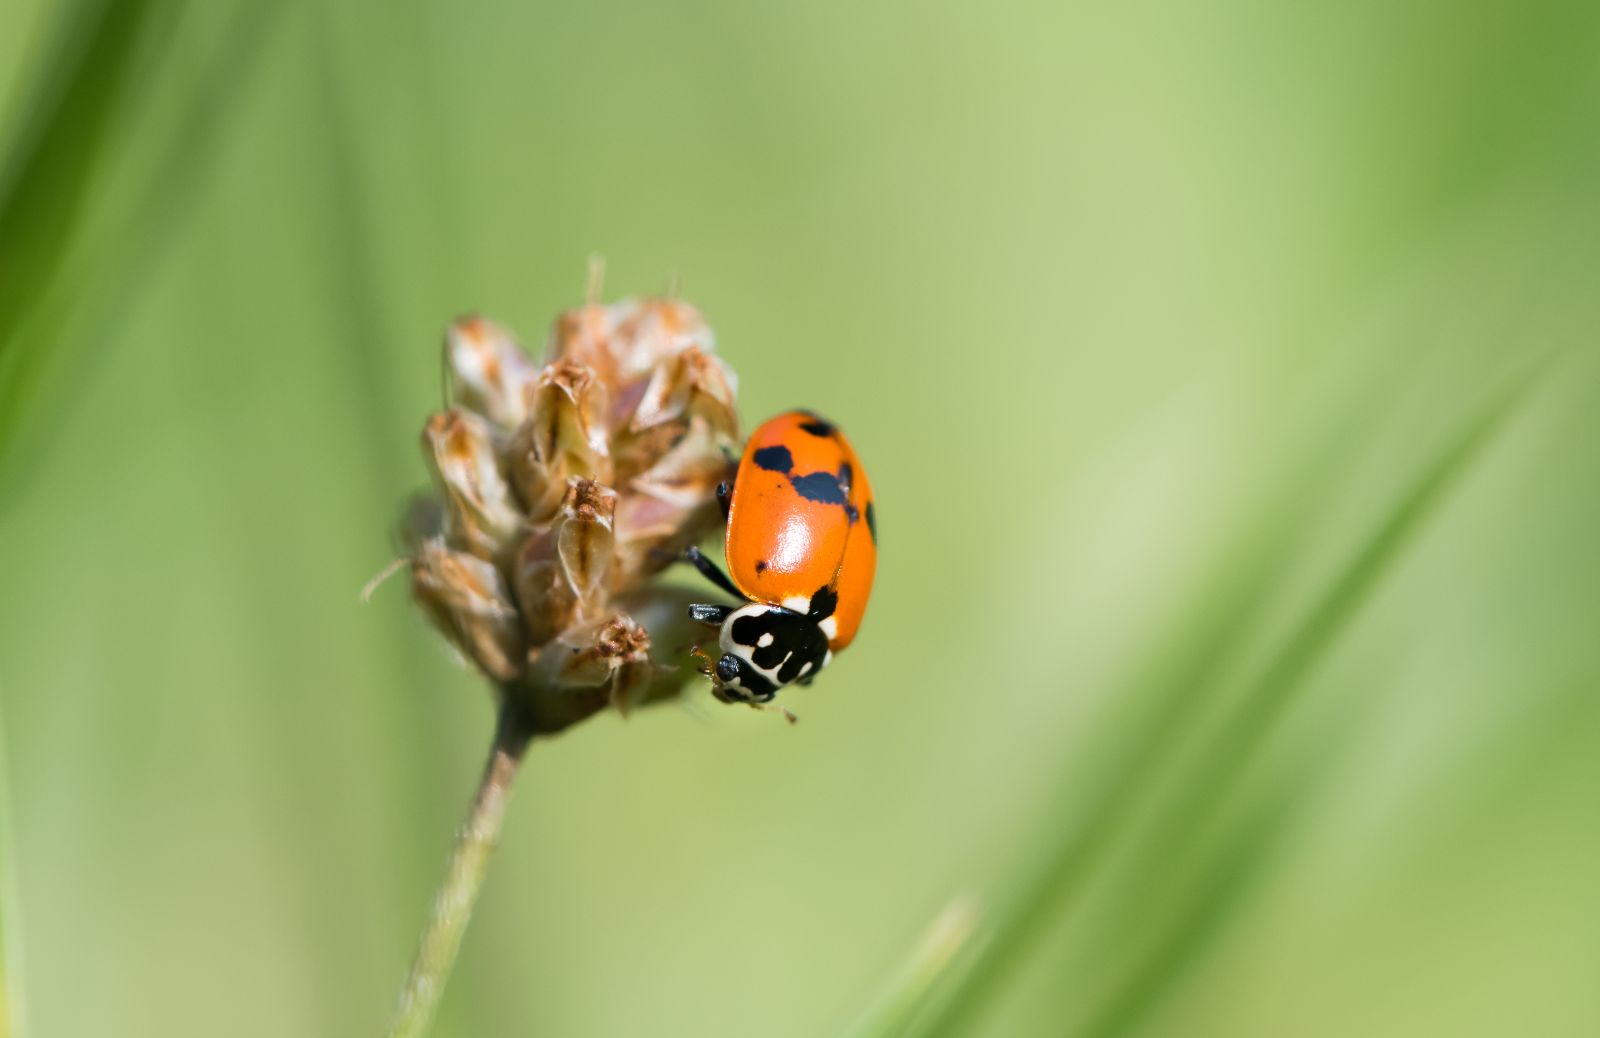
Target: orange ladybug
x=802 y=547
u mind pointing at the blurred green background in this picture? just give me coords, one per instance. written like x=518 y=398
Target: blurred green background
x=1228 y=375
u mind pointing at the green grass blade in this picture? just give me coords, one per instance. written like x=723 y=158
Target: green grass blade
x=76 y=310
x=903 y=997
x=13 y=1022
x=50 y=169
x=1227 y=881
x=54 y=163
x=1167 y=700
x=1044 y=898
x=1217 y=771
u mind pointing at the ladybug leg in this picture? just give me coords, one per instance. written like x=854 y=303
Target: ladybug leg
x=708 y=569
x=710 y=615
x=774 y=708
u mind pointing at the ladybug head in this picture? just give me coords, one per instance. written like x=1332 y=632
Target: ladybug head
x=765 y=647
x=738 y=681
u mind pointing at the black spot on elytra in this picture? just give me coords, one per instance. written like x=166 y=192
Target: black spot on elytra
x=818 y=427
x=761 y=565
x=774 y=459
x=872 y=522
x=820 y=486
x=851 y=513
x=823 y=603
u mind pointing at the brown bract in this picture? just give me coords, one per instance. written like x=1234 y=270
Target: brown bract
x=564 y=489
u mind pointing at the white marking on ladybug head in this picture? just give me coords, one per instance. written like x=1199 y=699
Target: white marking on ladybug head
x=829 y=626
x=764 y=647
x=745 y=654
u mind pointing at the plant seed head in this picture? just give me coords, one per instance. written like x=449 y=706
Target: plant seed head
x=562 y=490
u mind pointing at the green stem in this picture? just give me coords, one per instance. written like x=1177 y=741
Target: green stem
x=452 y=906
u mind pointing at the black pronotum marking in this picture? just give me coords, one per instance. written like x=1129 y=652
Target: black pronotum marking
x=818 y=427
x=823 y=603
x=774 y=459
x=872 y=522
x=796 y=641
x=820 y=486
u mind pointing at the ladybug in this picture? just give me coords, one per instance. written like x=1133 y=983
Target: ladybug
x=802 y=547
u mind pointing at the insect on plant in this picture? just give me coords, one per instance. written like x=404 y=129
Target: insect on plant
x=802 y=549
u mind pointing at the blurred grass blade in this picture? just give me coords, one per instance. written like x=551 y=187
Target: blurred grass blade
x=12 y=1010
x=358 y=304
x=43 y=344
x=1226 y=881
x=55 y=164
x=1165 y=704
x=1042 y=897
x=57 y=160
x=1204 y=909
x=907 y=991
x=60 y=147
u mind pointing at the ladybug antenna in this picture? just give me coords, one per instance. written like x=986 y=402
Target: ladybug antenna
x=774 y=708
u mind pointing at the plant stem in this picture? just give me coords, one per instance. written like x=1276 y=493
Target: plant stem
x=469 y=861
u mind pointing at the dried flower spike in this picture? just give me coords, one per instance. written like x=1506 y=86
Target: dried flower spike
x=563 y=489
